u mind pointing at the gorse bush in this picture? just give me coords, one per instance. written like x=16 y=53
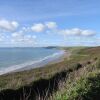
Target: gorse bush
x=76 y=66
x=83 y=89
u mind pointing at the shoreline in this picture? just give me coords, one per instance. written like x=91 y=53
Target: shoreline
x=55 y=58
x=44 y=62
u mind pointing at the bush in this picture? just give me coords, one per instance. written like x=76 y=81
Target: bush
x=86 y=89
x=83 y=89
x=89 y=62
x=77 y=66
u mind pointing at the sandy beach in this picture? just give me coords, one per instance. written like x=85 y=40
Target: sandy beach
x=46 y=61
x=57 y=57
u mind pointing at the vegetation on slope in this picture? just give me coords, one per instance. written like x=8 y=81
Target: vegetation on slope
x=84 y=83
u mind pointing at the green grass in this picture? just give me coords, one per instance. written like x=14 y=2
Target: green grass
x=86 y=88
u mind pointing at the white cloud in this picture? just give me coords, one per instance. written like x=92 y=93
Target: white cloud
x=88 y=32
x=8 y=25
x=20 y=37
x=51 y=25
x=38 y=27
x=15 y=24
x=23 y=36
x=77 y=32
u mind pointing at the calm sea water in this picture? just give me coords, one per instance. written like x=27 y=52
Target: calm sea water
x=10 y=58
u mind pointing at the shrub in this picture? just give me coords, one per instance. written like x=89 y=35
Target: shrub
x=77 y=66
x=86 y=89
x=89 y=62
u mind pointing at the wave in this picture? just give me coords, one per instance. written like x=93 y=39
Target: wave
x=31 y=64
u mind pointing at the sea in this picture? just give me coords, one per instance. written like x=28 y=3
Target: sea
x=13 y=59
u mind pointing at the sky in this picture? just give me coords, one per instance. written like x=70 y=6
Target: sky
x=33 y=23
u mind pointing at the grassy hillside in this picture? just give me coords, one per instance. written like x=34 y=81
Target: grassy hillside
x=82 y=80
x=82 y=83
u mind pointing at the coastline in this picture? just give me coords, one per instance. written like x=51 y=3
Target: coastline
x=45 y=61
x=55 y=58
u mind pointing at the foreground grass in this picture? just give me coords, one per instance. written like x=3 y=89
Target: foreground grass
x=86 y=88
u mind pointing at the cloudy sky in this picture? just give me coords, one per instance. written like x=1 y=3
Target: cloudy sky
x=49 y=22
